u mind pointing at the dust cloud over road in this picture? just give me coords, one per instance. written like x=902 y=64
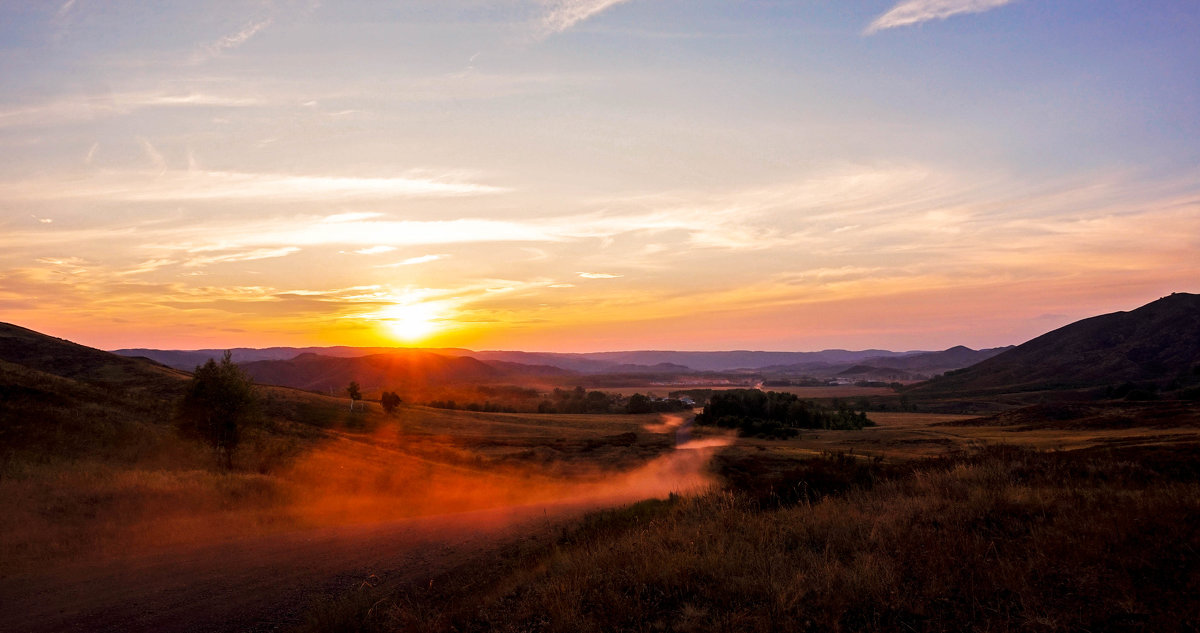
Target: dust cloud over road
x=265 y=582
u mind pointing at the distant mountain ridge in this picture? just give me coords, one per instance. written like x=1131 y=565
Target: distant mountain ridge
x=646 y=361
x=413 y=369
x=895 y=365
x=1158 y=341
x=188 y=360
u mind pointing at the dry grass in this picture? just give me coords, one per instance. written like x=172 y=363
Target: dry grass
x=1006 y=540
x=92 y=477
x=807 y=393
x=908 y=436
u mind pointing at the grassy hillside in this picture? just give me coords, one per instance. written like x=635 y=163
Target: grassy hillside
x=63 y=358
x=63 y=401
x=1157 y=342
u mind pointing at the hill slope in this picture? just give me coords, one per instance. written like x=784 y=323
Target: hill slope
x=405 y=369
x=60 y=399
x=1158 y=341
x=58 y=357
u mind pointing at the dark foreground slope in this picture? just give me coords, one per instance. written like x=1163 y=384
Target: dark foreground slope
x=1157 y=344
x=60 y=399
x=59 y=357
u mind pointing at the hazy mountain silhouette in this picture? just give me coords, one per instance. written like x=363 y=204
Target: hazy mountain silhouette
x=891 y=366
x=647 y=361
x=187 y=360
x=1158 y=341
x=871 y=372
x=396 y=369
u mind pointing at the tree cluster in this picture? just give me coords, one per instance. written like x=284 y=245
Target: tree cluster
x=776 y=414
x=579 y=400
x=486 y=406
x=638 y=403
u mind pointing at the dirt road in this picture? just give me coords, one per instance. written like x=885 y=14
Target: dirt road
x=263 y=583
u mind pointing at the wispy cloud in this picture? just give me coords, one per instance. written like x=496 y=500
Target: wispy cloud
x=231 y=41
x=912 y=12
x=247 y=256
x=156 y=158
x=599 y=275
x=64 y=9
x=375 y=250
x=84 y=107
x=411 y=261
x=565 y=14
x=224 y=185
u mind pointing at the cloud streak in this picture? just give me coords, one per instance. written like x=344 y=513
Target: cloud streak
x=912 y=12
x=565 y=14
x=412 y=261
x=196 y=185
x=83 y=107
x=231 y=41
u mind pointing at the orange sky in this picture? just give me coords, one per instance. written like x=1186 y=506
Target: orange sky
x=592 y=175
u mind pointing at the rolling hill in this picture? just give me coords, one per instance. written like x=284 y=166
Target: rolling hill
x=1158 y=342
x=404 y=370
x=59 y=357
x=60 y=399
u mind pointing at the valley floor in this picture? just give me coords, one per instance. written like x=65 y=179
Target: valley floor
x=460 y=521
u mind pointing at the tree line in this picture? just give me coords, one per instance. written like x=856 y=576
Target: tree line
x=776 y=414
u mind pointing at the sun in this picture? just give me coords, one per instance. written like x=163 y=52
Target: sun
x=411 y=322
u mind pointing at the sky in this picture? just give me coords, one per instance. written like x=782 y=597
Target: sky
x=592 y=175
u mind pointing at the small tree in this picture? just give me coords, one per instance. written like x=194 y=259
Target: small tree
x=355 y=394
x=220 y=400
x=390 y=401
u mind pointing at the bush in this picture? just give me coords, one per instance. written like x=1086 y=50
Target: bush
x=220 y=399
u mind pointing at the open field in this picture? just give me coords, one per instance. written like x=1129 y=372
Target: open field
x=807 y=393
x=964 y=528
x=321 y=498
x=906 y=436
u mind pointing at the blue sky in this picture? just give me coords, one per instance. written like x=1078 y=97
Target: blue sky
x=590 y=174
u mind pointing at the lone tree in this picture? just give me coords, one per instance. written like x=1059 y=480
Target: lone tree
x=220 y=400
x=355 y=394
x=390 y=401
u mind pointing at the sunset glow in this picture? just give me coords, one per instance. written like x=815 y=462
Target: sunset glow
x=411 y=323
x=591 y=175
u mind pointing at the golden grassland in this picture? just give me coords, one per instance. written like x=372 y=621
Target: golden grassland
x=925 y=526
x=924 y=522
x=905 y=436
x=807 y=393
x=1005 y=539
